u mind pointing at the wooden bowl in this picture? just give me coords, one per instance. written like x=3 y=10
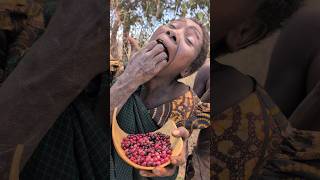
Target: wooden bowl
x=118 y=134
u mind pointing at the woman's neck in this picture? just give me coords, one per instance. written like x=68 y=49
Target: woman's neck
x=158 y=91
x=158 y=83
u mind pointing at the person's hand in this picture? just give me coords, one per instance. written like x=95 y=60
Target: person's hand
x=145 y=63
x=175 y=160
x=77 y=30
x=134 y=45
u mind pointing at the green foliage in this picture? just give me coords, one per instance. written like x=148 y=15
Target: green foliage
x=141 y=18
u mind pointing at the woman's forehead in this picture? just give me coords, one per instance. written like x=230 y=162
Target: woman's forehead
x=188 y=23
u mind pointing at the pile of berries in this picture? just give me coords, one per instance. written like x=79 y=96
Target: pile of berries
x=150 y=149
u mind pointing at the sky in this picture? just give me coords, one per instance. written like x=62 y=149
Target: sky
x=145 y=29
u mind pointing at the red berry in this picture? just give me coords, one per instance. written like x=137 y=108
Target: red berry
x=150 y=149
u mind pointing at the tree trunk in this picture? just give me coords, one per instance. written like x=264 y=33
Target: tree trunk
x=125 y=49
x=114 y=49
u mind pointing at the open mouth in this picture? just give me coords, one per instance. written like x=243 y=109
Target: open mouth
x=165 y=48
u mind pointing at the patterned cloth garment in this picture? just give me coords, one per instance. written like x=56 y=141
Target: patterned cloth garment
x=187 y=110
x=253 y=140
x=75 y=147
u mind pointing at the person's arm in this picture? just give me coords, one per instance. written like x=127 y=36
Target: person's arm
x=142 y=67
x=291 y=60
x=307 y=114
x=54 y=71
x=206 y=96
x=120 y=92
x=200 y=82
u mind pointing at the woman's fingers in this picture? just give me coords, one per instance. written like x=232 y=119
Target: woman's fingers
x=134 y=45
x=160 y=57
x=156 y=50
x=181 y=132
x=150 y=46
x=159 y=172
x=160 y=65
x=179 y=160
x=162 y=172
x=184 y=134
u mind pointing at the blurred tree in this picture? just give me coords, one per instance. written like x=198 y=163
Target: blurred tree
x=141 y=18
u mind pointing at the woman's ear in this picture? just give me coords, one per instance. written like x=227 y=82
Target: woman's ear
x=246 y=34
x=185 y=72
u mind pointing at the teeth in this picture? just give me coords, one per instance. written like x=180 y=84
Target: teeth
x=159 y=41
x=165 y=48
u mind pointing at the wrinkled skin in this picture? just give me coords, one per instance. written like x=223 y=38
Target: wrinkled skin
x=183 y=39
x=138 y=57
x=54 y=71
x=143 y=65
x=147 y=62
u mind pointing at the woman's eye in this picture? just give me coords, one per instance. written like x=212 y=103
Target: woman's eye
x=189 y=41
x=172 y=26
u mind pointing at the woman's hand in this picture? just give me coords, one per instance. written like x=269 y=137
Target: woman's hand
x=145 y=63
x=175 y=160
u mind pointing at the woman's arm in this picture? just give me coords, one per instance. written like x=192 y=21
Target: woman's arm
x=292 y=59
x=55 y=70
x=142 y=67
x=307 y=114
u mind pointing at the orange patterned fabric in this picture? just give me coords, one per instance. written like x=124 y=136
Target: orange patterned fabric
x=253 y=140
x=187 y=110
x=240 y=138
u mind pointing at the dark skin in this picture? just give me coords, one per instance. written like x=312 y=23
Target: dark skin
x=231 y=86
x=50 y=76
x=50 y=56
x=226 y=79
x=295 y=69
x=232 y=33
x=202 y=81
x=183 y=39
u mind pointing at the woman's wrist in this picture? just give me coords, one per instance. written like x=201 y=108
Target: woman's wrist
x=128 y=82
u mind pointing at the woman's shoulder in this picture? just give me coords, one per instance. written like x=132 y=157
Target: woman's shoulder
x=230 y=86
x=199 y=117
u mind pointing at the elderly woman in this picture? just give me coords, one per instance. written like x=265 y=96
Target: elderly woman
x=181 y=48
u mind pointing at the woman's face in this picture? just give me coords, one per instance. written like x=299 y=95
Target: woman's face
x=182 y=40
x=227 y=14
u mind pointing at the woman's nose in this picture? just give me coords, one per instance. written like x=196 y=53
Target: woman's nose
x=172 y=35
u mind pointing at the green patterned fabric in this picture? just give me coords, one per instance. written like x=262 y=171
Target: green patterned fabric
x=74 y=148
x=133 y=118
